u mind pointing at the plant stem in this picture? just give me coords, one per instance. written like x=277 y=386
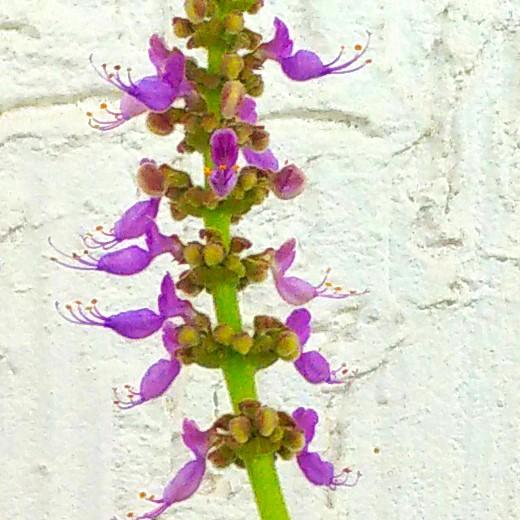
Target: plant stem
x=238 y=373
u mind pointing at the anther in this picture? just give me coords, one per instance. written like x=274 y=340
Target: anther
x=93 y=301
x=117 y=67
x=368 y=61
x=142 y=495
x=103 y=106
x=90 y=114
x=358 y=47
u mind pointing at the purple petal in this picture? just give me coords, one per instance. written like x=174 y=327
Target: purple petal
x=158 y=53
x=159 y=244
x=281 y=45
x=306 y=419
x=154 y=92
x=136 y=324
x=284 y=256
x=131 y=107
x=313 y=367
x=247 y=111
x=174 y=71
x=158 y=378
x=223 y=181
x=294 y=290
x=134 y=221
x=300 y=322
x=317 y=471
x=224 y=148
x=170 y=305
x=304 y=65
x=288 y=183
x=195 y=439
x=127 y=261
x=186 y=482
x=264 y=160
x=170 y=335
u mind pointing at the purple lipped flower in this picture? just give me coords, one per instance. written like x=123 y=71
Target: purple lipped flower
x=224 y=154
x=311 y=365
x=189 y=477
x=288 y=183
x=318 y=471
x=303 y=64
x=295 y=290
x=159 y=377
x=132 y=224
x=247 y=110
x=265 y=160
x=155 y=93
x=135 y=324
x=129 y=260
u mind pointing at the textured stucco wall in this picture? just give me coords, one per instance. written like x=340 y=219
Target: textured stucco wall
x=413 y=193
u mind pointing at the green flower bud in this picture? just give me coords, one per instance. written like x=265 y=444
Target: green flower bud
x=214 y=254
x=232 y=65
x=243 y=131
x=240 y=429
x=255 y=85
x=258 y=4
x=188 y=336
x=195 y=9
x=294 y=440
x=234 y=264
x=182 y=28
x=159 y=124
x=277 y=435
x=233 y=93
x=288 y=346
x=175 y=178
x=234 y=22
x=285 y=453
x=249 y=407
x=248 y=178
x=224 y=334
x=193 y=254
x=242 y=343
x=209 y=122
x=266 y=421
x=222 y=457
x=253 y=39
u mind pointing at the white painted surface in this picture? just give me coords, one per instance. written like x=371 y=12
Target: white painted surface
x=413 y=193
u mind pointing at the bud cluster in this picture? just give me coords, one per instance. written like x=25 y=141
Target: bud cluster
x=256 y=430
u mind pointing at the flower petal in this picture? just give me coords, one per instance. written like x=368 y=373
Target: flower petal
x=300 y=322
x=284 y=256
x=313 y=367
x=224 y=148
x=288 y=183
x=170 y=305
x=306 y=419
x=136 y=324
x=158 y=378
x=317 y=471
x=264 y=160
x=223 y=181
x=186 y=482
x=131 y=107
x=195 y=439
x=304 y=65
x=174 y=70
x=158 y=53
x=135 y=220
x=170 y=334
x=281 y=45
x=158 y=243
x=125 y=262
x=154 y=92
x=294 y=290
x=247 y=110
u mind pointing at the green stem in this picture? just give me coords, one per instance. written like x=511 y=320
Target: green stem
x=240 y=375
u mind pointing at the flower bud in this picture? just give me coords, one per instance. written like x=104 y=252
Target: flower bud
x=195 y=9
x=254 y=85
x=253 y=39
x=193 y=254
x=195 y=102
x=188 y=284
x=285 y=453
x=159 y=124
x=209 y=122
x=266 y=323
x=202 y=322
x=288 y=346
x=232 y=65
x=175 y=178
x=266 y=421
x=233 y=93
x=277 y=435
x=243 y=132
x=150 y=178
x=222 y=457
x=234 y=264
x=176 y=212
x=234 y=22
x=239 y=244
x=182 y=27
x=249 y=407
x=288 y=183
x=294 y=440
x=248 y=178
x=224 y=334
x=259 y=139
x=240 y=429
x=255 y=8
x=195 y=196
x=214 y=254
x=188 y=336
x=242 y=343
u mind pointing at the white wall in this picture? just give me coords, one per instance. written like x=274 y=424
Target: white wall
x=413 y=193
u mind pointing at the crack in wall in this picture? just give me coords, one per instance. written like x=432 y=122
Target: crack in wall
x=21 y=27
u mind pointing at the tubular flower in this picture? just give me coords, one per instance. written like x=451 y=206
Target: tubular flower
x=295 y=290
x=159 y=377
x=189 y=477
x=304 y=65
x=311 y=365
x=135 y=324
x=129 y=260
x=224 y=153
x=318 y=471
x=155 y=93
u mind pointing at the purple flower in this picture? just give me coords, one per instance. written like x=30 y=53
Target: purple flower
x=247 y=111
x=318 y=471
x=155 y=93
x=135 y=324
x=159 y=377
x=264 y=160
x=132 y=224
x=129 y=260
x=189 y=477
x=304 y=65
x=224 y=153
x=295 y=290
x=288 y=183
x=311 y=365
